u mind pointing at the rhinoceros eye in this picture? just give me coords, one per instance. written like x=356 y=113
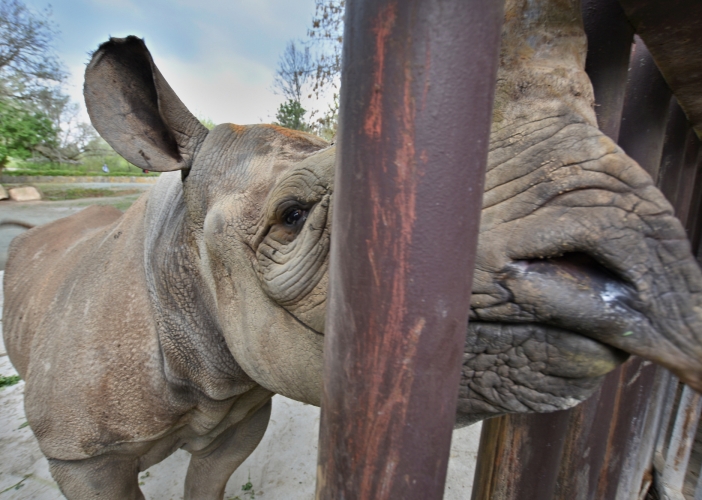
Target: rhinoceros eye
x=294 y=216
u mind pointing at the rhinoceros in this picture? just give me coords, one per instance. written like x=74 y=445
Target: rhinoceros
x=172 y=325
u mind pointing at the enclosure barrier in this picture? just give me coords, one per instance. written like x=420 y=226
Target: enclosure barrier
x=417 y=81
x=634 y=437
x=417 y=85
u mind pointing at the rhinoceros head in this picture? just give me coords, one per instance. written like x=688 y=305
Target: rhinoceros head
x=580 y=259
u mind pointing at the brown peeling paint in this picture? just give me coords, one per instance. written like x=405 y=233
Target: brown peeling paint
x=382 y=28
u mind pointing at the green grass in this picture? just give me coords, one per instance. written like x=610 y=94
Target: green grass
x=118 y=167
x=57 y=193
x=8 y=381
x=75 y=173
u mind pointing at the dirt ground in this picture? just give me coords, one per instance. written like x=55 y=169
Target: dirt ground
x=282 y=467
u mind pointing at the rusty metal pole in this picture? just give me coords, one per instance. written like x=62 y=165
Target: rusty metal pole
x=417 y=86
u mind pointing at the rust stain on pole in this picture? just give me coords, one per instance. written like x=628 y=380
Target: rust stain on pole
x=417 y=85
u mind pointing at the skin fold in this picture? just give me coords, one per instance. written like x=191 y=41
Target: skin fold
x=172 y=325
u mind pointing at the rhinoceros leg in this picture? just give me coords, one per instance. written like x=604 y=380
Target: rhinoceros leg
x=211 y=468
x=108 y=477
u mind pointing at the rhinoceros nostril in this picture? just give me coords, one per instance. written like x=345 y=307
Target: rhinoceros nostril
x=575 y=265
x=586 y=274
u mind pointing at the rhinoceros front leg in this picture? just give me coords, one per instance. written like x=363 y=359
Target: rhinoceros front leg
x=211 y=468
x=108 y=477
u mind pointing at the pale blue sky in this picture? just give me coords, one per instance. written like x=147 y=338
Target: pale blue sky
x=218 y=55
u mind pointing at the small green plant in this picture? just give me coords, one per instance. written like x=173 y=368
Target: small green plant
x=8 y=381
x=248 y=490
x=16 y=486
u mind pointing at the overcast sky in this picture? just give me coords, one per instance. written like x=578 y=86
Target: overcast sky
x=218 y=55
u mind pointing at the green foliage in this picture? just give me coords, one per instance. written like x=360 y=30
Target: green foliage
x=291 y=114
x=326 y=125
x=28 y=64
x=208 y=123
x=8 y=381
x=326 y=36
x=58 y=193
x=88 y=166
x=314 y=68
x=73 y=173
x=22 y=131
x=248 y=490
x=37 y=117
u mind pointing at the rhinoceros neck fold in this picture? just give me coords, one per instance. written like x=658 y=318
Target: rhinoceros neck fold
x=194 y=352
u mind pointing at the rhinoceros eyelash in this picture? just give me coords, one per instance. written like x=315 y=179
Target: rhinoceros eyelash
x=286 y=206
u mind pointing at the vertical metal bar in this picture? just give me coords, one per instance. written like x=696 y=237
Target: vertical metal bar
x=645 y=110
x=681 y=441
x=698 y=488
x=417 y=86
x=695 y=218
x=593 y=451
x=517 y=458
x=673 y=151
x=666 y=410
x=609 y=39
x=684 y=199
x=636 y=485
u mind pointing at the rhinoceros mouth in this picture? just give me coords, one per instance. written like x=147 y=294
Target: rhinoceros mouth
x=528 y=367
x=566 y=316
x=533 y=350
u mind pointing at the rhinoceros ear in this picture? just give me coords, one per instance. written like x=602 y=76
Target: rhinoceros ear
x=135 y=110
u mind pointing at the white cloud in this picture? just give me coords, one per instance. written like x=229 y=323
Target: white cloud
x=219 y=55
x=223 y=89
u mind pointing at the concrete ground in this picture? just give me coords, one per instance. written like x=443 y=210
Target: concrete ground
x=41 y=212
x=282 y=467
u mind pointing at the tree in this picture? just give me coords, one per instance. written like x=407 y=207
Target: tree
x=294 y=69
x=291 y=114
x=327 y=36
x=28 y=63
x=22 y=131
x=206 y=122
x=31 y=78
x=316 y=68
x=72 y=135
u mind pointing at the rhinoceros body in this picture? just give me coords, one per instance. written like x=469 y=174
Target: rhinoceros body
x=173 y=324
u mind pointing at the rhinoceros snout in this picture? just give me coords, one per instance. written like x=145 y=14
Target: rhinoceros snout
x=651 y=314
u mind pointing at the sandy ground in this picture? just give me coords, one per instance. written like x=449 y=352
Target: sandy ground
x=282 y=467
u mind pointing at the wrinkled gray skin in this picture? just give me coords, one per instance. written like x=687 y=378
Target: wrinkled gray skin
x=172 y=325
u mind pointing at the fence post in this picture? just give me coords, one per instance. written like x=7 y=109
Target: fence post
x=417 y=86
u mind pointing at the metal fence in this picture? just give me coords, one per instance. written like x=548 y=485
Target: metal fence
x=634 y=437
